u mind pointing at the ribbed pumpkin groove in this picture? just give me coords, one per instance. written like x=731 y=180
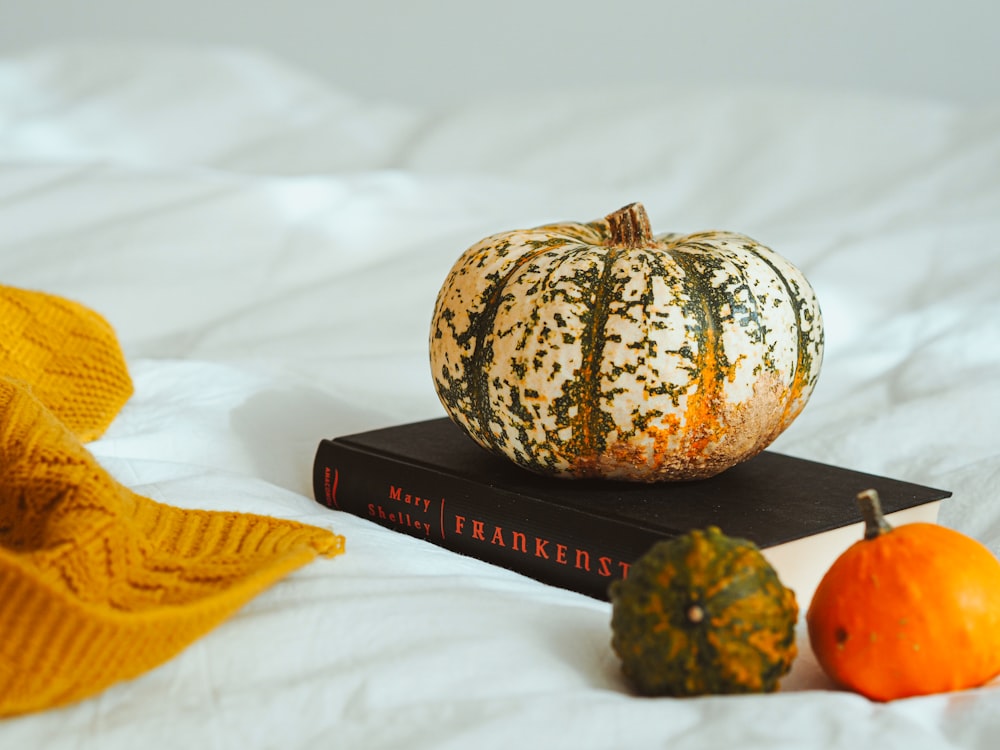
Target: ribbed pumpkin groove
x=602 y=350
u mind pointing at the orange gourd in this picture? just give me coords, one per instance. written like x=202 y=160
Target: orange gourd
x=908 y=611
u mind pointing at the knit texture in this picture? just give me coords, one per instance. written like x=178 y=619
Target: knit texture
x=67 y=355
x=97 y=583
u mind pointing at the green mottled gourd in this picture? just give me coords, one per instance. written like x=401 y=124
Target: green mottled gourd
x=703 y=614
x=601 y=350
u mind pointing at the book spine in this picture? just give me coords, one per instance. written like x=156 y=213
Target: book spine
x=549 y=543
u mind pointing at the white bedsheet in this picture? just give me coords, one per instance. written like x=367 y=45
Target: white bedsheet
x=269 y=249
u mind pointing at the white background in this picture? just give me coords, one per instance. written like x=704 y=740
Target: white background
x=432 y=52
x=269 y=251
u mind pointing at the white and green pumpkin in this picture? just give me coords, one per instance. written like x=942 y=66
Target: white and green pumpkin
x=601 y=350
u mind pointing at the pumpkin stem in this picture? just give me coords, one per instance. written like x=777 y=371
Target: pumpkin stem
x=630 y=226
x=871 y=511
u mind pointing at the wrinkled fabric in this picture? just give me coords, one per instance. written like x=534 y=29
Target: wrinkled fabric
x=268 y=249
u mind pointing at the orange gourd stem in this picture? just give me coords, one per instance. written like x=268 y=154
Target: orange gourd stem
x=871 y=512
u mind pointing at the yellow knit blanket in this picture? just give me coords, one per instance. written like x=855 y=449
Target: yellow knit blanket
x=99 y=584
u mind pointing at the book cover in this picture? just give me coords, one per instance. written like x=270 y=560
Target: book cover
x=430 y=480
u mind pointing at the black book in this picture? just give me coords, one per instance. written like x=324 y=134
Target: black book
x=430 y=480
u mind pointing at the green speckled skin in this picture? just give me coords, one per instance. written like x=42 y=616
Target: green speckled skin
x=665 y=358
